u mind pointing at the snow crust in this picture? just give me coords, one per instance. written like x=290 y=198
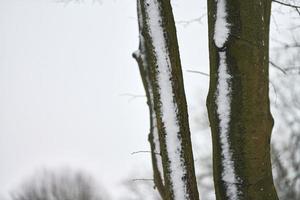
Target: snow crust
x=168 y=106
x=221 y=25
x=223 y=101
x=141 y=53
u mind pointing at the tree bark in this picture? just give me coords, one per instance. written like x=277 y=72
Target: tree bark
x=238 y=100
x=160 y=67
x=153 y=138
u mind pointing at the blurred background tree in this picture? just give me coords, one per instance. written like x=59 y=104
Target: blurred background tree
x=285 y=62
x=62 y=184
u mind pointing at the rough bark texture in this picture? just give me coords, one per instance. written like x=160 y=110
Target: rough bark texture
x=158 y=180
x=149 y=73
x=250 y=125
x=140 y=56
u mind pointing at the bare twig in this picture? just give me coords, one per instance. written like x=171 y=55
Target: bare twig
x=132 y=96
x=188 y=22
x=143 y=179
x=297 y=10
x=278 y=67
x=136 y=152
x=198 y=72
x=286 y=4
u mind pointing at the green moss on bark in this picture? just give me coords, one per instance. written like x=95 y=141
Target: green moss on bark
x=250 y=118
x=170 y=37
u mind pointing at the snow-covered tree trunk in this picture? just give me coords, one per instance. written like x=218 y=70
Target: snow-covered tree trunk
x=238 y=100
x=140 y=56
x=160 y=68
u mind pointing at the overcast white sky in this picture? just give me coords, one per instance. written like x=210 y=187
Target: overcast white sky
x=63 y=70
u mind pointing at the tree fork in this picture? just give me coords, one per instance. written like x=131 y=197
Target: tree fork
x=238 y=100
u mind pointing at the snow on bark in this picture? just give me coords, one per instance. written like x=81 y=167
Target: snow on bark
x=141 y=53
x=223 y=101
x=154 y=129
x=168 y=106
x=221 y=25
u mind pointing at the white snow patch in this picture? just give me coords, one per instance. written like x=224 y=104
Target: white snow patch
x=141 y=53
x=223 y=101
x=168 y=106
x=221 y=26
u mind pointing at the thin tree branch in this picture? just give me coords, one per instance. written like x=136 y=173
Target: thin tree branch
x=286 y=4
x=143 y=179
x=198 y=72
x=136 y=152
x=132 y=96
x=278 y=67
x=188 y=22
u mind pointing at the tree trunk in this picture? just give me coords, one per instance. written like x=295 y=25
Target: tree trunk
x=238 y=100
x=160 y=67
x=140 y=56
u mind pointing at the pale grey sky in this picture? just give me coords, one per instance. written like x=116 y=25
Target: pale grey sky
x=63 y=68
